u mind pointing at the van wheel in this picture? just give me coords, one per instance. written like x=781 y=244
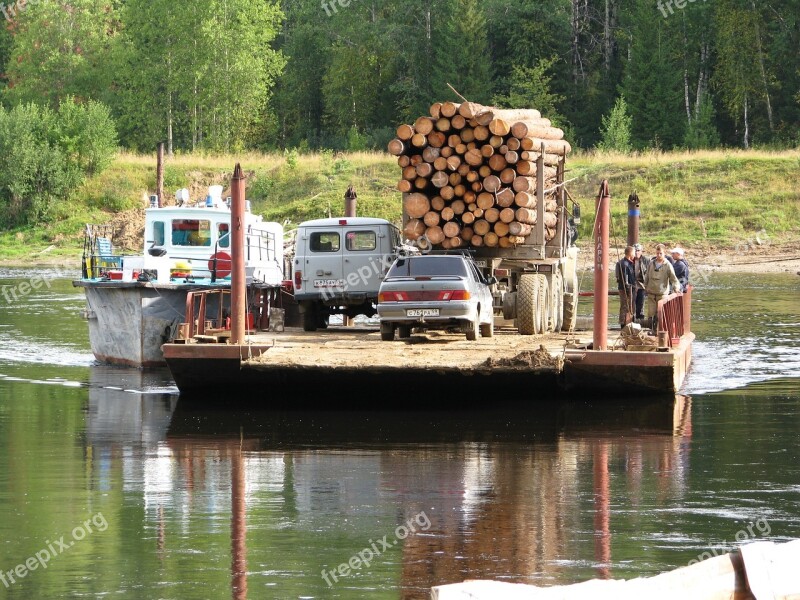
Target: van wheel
x=310 y=318
x=404 y=331
x=474 y=329
x=387 y=332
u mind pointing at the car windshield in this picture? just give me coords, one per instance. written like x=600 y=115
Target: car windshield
x=430 y=266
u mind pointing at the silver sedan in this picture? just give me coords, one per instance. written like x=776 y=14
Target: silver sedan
x=435 y=292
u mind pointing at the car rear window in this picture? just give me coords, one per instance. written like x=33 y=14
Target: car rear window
x=430 y=266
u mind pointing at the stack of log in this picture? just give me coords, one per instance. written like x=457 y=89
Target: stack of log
x=469 y=174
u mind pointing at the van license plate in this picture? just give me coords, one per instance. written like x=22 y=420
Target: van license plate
x=422 y=312
x=328 y=283
x=480 y=263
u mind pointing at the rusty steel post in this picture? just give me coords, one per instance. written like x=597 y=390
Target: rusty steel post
x=350 y=198
x=238 y=283
x=633 y=219
x=160 y=174
x=601 y=255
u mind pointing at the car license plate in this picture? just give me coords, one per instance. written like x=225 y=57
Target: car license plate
x=422 y=312
x=480 y=263
x=328 y=283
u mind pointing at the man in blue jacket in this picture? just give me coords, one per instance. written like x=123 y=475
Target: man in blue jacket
x=680 y=266
x=626 y=284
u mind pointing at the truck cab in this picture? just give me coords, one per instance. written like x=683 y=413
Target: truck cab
x=338 y=266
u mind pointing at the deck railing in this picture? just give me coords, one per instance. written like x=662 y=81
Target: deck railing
x=675 y=316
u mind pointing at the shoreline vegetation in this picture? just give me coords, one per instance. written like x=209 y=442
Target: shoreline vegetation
x=732 y=210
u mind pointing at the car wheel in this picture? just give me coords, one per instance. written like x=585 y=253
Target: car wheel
x=404 y=331
x=387 y=332
x=474 y=329
x=487 y=329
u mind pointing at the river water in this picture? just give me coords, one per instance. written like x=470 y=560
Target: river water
x=112 y=487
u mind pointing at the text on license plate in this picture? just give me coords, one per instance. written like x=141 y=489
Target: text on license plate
x=328 y=283
x=422 y=312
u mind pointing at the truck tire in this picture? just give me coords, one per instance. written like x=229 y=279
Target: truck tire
x=543 y=304
x=557 y=295
x=570 y=312
x=310 y=317
x=527 y=298
x=404 y=331
x=487 y=329
x=387 y=332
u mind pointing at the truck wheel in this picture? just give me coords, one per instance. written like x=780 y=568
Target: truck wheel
x=310 y=318
x=387 y=332
x=404 y=331
x=473 y=329
x=558 y=302
x=542 y=304
x=570 y=312
x=527 y=297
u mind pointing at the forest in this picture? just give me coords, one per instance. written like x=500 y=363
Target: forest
x=230 y=75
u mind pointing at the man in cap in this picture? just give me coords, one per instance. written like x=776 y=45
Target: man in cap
x=680 y=266
x=640 y=262
x=658 y=279
x=626 y=284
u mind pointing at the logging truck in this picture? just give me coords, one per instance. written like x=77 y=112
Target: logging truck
x=492 y=181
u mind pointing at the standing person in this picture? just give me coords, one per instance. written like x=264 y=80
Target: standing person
x=626 y=284
x=657 y=281
x=680 y=266
x=640 y=262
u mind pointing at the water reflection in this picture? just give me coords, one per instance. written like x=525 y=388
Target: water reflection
x=510 y=493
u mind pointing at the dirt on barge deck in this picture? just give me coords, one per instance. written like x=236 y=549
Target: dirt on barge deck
x=303 y=366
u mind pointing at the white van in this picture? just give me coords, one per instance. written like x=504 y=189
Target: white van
x=338 y=266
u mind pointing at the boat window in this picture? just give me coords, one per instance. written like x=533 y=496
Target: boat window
x=324 y=241
x=222 y=235
x=360 y=240
x=191 y=232
x=158 y=233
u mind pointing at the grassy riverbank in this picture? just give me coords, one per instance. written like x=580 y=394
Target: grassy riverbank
x=706 y=201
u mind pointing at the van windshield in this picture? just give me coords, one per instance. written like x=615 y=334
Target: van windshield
x=431 y=266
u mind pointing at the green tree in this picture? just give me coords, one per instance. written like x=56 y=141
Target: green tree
x=59 y=49
x=616 y=130
x=702 y=132
x=531 y=88
x=87 y=135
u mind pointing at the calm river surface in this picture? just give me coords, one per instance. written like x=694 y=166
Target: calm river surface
x=112 y=487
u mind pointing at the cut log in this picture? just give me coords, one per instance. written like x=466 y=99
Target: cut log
x=492 y=215
x=501 y=228
x=416 y=205
x=424 y=125
x=440 y=164
x=458 y=207
x=437 y=203
x=516 y=114
x=485 y=200
x=410 y=172
x=466 y=234
x=419 y=140
x=559 y=147
x=440 y=179
x=512 y=157
x=463 y=169
x=447 y=192
x=436 y=139
x=550 y=220
x=516 y=240
x=468 y=135
x=513 y=143
x=459 y=190
x=469 y=110
x=541 y=128
x=507 y=215
x=497 y=162
x=525 y=200
x=508 y=175
x=424 y=169
x=397 y=147
x=499 y=127
x=526 y=215
x=505 y=197
x=484 y=171
x=435 y=235
x=524 y=184
x=403 y=161
x=447 y=151
x=491 y=240
x=468 y=218
x=414 y=229
x=430 y=154
x=492 y=183
x=481 y=133
x=447 y=214
x=453 y=162
x=476 y=240
x=474 y=158
x=404 y=185
x=421 y=183
x=435 y=110
x=405 y=132
x=519 y=229
x=458 y=122
x=455 y=178
x=525 y=167
x=482 y=227
x=431 y=218
x=449 y=109
x=495 y=141
x=451 y=229
x=443 y=125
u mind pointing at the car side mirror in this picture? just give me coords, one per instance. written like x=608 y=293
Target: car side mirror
x=491 y=280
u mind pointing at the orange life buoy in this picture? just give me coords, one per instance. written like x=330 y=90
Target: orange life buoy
x=223 y=263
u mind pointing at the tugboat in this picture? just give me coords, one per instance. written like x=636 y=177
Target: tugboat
x=135 y=303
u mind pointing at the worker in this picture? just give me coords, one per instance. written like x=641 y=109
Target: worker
x=640 y=262
x=659 y=277
x=680 y=266
x=626 y=284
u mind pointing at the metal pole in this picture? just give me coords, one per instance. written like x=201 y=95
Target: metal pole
x=350 y=198
x=160 y=174
x=633 y=219
x=238 y=287
x=601 y=255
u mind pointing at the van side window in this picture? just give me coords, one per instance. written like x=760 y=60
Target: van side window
x=360 y=240
x=324 y=241
x=158 y=233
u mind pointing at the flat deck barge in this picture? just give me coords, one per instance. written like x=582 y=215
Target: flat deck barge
x=354 y=359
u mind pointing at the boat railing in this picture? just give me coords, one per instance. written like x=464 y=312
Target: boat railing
x=675 y=316
x=196 y=311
